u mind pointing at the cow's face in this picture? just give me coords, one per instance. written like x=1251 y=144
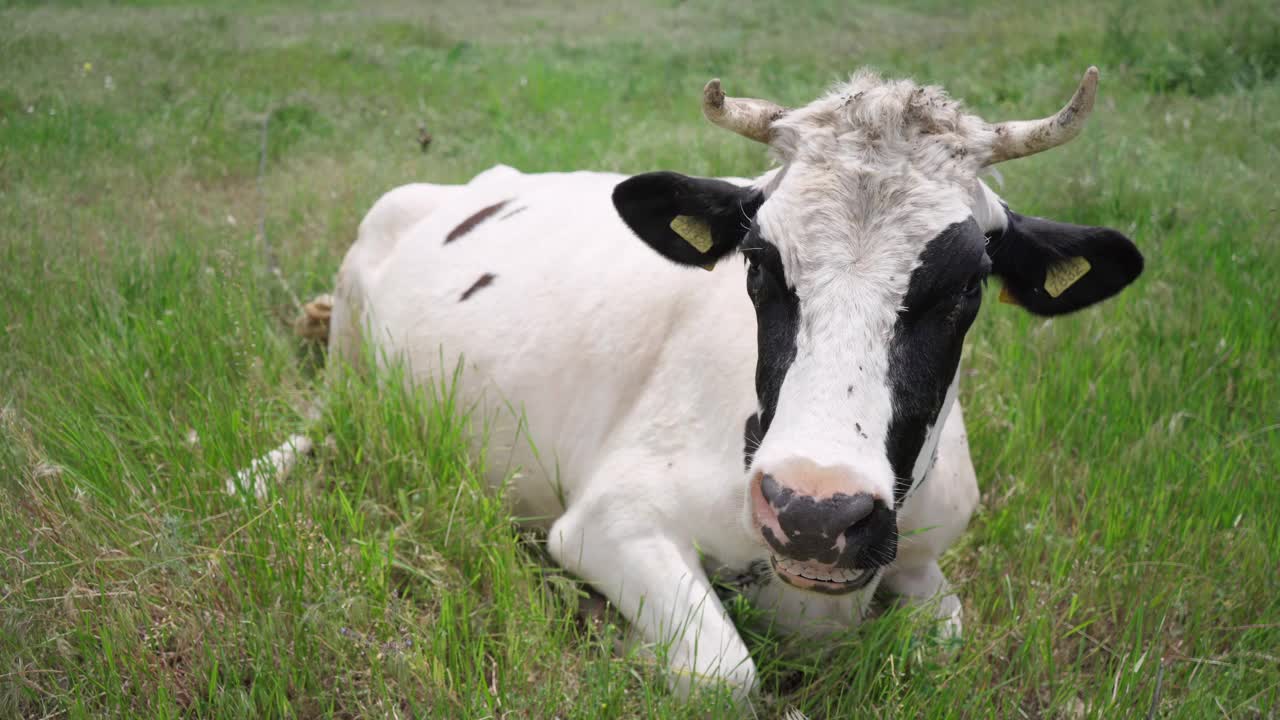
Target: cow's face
x=866 y=255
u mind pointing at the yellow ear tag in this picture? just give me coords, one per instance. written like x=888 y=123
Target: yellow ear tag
x=1064 y=274
x=696 y=232
x=1007 y=297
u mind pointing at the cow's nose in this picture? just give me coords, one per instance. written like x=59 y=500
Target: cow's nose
x=830 y=517
x=847 y=529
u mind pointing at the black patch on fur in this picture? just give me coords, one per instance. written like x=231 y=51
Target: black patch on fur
x=942 y=300
x=517 y=211
x=777 y=322
x=476 y=218
x=1029 y=246
x=751 y=437
x=648 y=203
x=484 y=281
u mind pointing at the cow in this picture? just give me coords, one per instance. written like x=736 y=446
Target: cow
x=752 y=379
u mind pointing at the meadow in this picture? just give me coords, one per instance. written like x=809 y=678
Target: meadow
x=1124 y=562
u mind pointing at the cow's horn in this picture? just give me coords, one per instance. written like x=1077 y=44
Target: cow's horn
x=748 y=117
x=1020 y=138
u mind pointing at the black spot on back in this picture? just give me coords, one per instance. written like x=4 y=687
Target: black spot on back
x=476 y=218
x=485 y=281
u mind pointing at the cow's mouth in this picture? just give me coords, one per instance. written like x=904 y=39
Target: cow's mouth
x=821 y=578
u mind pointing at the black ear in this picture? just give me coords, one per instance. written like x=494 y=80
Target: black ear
x=1051 y=268
x=710 y=216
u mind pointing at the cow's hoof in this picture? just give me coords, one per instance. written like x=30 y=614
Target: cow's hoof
x=313 y=323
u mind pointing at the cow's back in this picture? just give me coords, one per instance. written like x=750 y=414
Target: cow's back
x=563 y=321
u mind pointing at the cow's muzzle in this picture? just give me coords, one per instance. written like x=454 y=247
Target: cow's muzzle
x=831 y=543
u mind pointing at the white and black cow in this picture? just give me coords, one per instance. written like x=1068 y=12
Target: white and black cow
x=789 y=415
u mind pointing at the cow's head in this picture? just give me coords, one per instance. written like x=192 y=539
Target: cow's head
x=867 y=251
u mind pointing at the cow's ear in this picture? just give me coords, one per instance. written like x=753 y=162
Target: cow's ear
x=688 y=220
x=1051 y=268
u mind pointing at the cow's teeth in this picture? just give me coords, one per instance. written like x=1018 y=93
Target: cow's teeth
x=804 y=570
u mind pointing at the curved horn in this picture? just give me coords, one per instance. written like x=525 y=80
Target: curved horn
x=748 y=117
x=1020 y=138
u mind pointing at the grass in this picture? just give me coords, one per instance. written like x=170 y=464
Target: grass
x=1125 y=561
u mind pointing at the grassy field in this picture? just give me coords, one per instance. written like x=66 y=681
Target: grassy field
x=1125 y=561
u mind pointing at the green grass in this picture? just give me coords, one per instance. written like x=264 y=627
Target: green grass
x=1129 y=533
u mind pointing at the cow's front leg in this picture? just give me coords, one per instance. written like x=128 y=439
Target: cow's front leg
x=657 y=583
x=925 y=584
